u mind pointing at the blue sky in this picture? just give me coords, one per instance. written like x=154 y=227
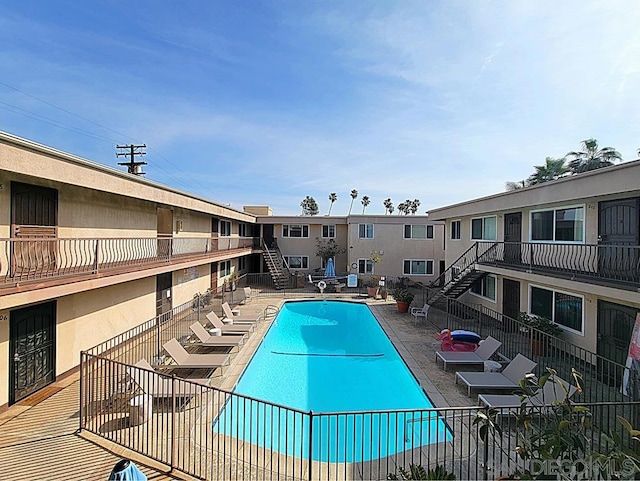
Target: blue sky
x=264 y=103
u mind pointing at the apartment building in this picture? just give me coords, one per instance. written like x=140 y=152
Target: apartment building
x=88 y=252
x=383 y=245
x=567 y=250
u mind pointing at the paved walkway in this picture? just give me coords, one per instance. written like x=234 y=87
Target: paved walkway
x=39 y=439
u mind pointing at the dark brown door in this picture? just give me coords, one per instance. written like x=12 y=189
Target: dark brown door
x=34 y=220
x=510 y=298
x=164 y=283
x=615 y=325
x=513 y=238
x=618 y=238
x=165 y=231
x=267 y=234
x=32 y=350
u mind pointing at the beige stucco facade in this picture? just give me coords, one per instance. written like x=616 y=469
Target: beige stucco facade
x=584 y=193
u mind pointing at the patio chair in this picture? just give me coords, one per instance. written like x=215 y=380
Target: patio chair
x=158 y=386
x=247 y=294
x=554 y=390
x=225 y=329
x=234 y=317
x=508 y=379
x=420 y=312
x=206 y=339
x=185 y=360
x=486 y=349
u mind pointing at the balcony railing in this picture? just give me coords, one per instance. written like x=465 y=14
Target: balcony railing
x=28 y=259
x=608 y=264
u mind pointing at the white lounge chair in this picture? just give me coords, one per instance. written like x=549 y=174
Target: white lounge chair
x=486 y=349
x=234 y=317
x=508 y=379
x=217 y=323
x=185 y=360
x=247 y=294
x=207 y=339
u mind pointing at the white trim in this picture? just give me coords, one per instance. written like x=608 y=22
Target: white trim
x=547 y=288
x=373 y=230
x=554 y=209
x=367 y=260
x=426 y=261
x=322 y=231
x=302 y=257
x=483 y=233
x=302 y=226
x=494 y=301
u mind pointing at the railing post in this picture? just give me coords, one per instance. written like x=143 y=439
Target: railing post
x=310 y=468
x=95 y=258
x=485 y=450
x=82 y=395
x=531 y=245
x=173 y=422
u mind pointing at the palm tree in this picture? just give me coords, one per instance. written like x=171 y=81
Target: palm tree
x=354 y=195
x=365 y=202
x=415 y=203
x=552 y=169
x=309 y=206
x=591 y=158
x=388 y=206
x=332 y=198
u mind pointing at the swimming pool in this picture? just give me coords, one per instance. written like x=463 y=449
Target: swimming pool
x=330 y=357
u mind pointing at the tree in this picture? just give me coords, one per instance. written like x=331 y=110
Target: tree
x=405 y=207
x=354 y=195
x=552 y=169
x=510 y=185
x=309 y=206
x=365 y=202
x=328 y=249
x=388 y=206
x=332 y=198
x=415 y=203
x=591 y=157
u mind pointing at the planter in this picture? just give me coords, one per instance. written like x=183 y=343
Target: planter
x=403 y=306
x=372 y=291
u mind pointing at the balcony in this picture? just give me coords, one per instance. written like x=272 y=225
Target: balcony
x=30 y=263
x=608 y=265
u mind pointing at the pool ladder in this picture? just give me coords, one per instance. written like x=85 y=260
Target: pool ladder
x=270 y=312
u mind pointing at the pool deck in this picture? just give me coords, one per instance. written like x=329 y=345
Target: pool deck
x=39 y=436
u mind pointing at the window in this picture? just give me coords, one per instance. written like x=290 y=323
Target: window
x=295 y=231
x=242 y=263
x=485 y=287
x=558 y=225
x=297 y=262
x=418 y=232
x=225 y=228
x=455 y=230
x=225 y=268
x=563 y=309
x=417 y=267
x=242 y=230
x=365 y=231
x=329 y=231
x=365 y=266
x=483 y=228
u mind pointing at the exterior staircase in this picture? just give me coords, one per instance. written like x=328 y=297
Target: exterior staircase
x=461 y=274
x=279 y=271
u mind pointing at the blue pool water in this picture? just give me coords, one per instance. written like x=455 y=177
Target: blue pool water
x=330 y=357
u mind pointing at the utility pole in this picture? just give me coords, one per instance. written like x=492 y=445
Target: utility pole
x=131 y=151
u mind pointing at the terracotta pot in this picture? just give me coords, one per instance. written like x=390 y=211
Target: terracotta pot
x=403 y=306
x=372 y=291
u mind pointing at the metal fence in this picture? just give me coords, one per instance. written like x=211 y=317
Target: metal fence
x=211 y=433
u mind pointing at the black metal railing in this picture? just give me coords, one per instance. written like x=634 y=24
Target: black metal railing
x=619 y=264
x=212 y=433
x=26 y=259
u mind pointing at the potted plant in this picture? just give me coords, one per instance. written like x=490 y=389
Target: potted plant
x=403 y=297
x=540 y=328
x=372 y=286
x=230 y=282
